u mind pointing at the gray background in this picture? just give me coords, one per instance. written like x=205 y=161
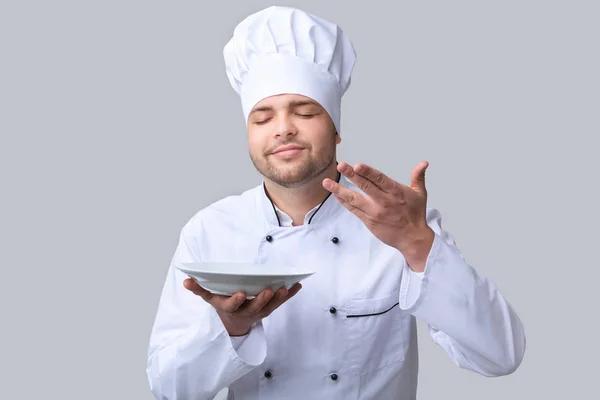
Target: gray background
x=117 y=124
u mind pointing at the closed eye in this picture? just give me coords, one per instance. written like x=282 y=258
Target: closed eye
x=262 y=122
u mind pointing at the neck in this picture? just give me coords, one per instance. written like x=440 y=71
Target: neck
x=298 y=201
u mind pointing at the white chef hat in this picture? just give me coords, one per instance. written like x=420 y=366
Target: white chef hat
x=285 y=50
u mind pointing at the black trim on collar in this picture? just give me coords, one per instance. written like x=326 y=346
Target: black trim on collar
x=339 y=176
x=272 y=204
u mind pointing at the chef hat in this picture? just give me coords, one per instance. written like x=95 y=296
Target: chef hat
x=285 y=50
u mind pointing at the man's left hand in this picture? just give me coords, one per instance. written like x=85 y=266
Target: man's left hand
x=394 y=213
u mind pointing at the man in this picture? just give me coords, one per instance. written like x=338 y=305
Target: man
x=381 y=256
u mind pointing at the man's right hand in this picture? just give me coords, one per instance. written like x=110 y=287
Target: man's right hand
x=239 y=314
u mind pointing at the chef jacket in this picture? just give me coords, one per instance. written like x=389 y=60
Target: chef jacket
x=349 y=333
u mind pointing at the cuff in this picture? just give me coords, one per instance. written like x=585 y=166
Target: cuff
x=441 y=292
x=411 y=284
x=236 y=341
x=246 y=351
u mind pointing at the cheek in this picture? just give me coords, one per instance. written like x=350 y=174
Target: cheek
x=322 y=138
x=256 y=143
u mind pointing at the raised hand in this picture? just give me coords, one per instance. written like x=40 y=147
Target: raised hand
x=393 y=212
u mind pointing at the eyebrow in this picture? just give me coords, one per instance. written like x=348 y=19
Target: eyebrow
x=291 y=104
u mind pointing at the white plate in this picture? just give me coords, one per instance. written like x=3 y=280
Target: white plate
x=229 y=278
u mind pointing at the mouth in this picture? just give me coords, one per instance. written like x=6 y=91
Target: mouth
x=288 y=150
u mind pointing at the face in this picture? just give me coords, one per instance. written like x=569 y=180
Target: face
x=292 y=139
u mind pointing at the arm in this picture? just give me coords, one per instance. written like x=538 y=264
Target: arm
x=467 y=315
x=190 y=354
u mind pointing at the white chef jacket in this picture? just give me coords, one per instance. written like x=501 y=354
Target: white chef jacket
x=349 y=333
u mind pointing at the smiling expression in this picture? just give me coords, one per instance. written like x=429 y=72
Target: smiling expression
x=291 y=139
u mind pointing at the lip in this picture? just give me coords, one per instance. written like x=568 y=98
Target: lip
x=287 y=148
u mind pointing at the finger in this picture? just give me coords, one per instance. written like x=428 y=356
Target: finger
x=228 y=304
x=293 y=290
x=354 y=210
x=220 y=302
x=360 y=181
x=417 y=178
x=274 y=302
x=281 y=296
x=349 y=196
x=376 y=177
x=191 y=285
x=257 y=304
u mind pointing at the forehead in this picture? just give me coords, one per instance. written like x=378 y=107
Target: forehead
x=281 y=101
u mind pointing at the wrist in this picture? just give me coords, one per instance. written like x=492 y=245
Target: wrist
x=235 y=332
x=416 y=247
x=235 y=328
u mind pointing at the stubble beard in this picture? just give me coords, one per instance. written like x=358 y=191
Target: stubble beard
x=294 y=177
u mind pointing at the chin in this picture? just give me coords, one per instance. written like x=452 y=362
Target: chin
x=290 y=178
x=291 y=173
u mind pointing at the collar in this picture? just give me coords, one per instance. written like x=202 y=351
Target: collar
x=276 y=217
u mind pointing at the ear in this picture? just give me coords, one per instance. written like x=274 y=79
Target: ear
x=338 y=138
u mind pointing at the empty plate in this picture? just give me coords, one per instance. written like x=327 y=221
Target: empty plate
x=228 y=278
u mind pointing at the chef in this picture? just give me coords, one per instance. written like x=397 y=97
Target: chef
x=381 y=256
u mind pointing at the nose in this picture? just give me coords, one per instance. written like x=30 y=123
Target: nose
x=285 y=127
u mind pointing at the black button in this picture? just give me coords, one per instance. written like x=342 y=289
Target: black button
x=268 y=374
x=335 y=240
x=269 y=238
x=334 y=377
x=332 y=310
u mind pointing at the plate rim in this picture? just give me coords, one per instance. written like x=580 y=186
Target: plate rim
x=182 y=267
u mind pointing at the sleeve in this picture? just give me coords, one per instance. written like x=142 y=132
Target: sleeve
x=190 y=353
x=466 y=313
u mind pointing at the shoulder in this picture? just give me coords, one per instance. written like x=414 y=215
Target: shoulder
x=224 y=211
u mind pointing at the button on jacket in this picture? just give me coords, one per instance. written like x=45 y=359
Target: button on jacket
x=349 y=333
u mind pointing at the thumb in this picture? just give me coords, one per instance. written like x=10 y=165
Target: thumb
x=417 y=178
